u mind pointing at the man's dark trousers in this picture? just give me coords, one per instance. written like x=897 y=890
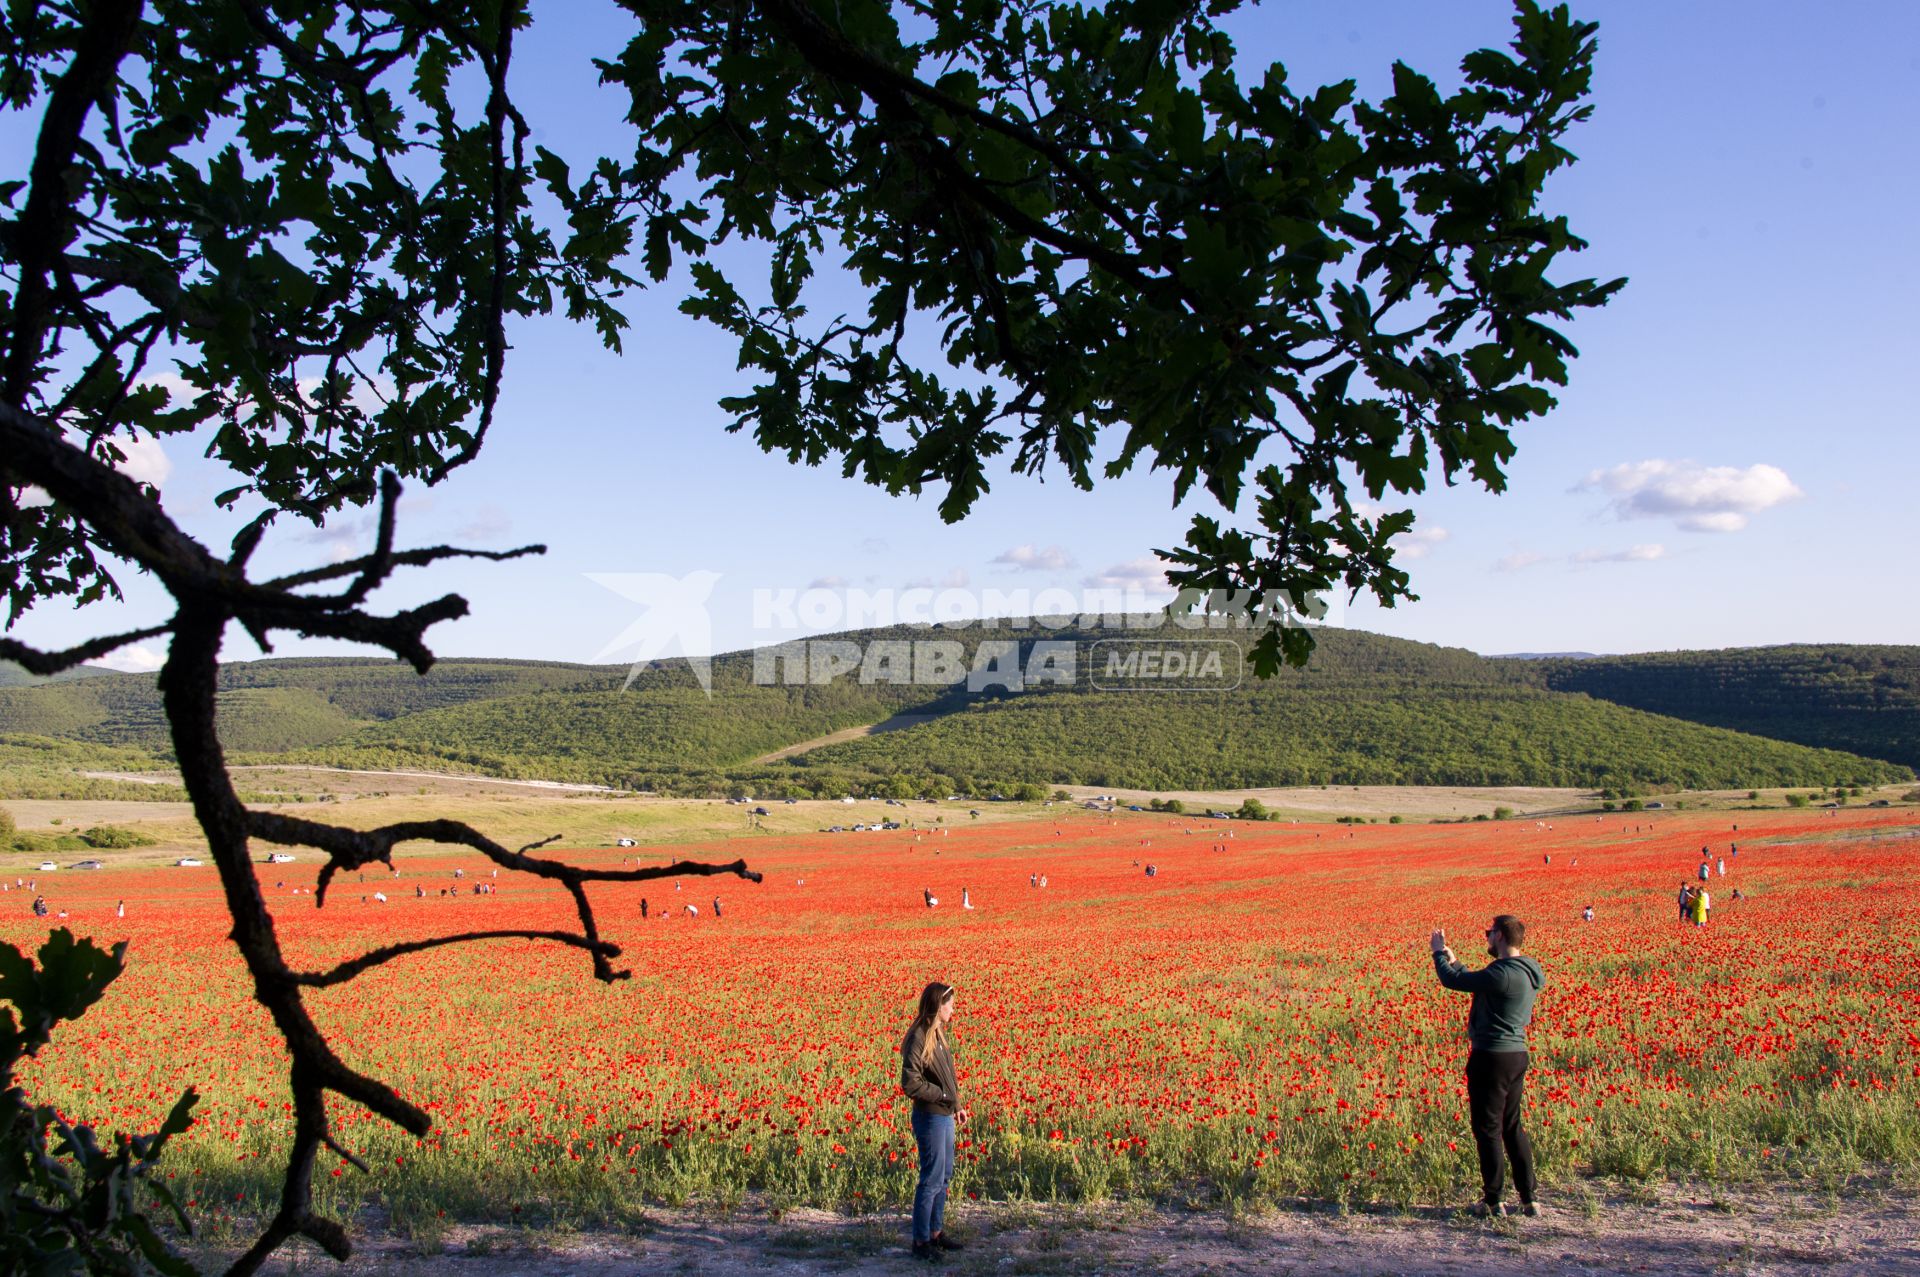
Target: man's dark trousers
x=1496 y=1086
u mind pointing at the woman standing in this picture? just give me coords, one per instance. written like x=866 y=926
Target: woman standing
x=928 y=1079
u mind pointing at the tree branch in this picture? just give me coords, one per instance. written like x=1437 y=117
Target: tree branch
x=376 y=957
x=46 y=218
x=38 y=662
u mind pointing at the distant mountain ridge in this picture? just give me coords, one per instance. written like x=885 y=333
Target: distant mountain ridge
x=1368 y=710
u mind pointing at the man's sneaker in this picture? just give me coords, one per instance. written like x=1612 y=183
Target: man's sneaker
x=941 y=1241
x=1532 y=1210
x=1486 y=1210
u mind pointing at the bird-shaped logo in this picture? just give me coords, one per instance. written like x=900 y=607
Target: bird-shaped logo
x=675 y=621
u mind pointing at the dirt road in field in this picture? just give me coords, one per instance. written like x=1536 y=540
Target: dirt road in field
x=1870 y=1230
x=899 y=722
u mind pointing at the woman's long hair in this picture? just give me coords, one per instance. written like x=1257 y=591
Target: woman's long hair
x=926 y=1021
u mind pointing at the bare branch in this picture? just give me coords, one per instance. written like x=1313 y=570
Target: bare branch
x=39 y=662
x=401 y=559
x=353 y=848
x=376 y=957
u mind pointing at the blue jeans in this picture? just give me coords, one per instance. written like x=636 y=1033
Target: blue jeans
x=933 y=1132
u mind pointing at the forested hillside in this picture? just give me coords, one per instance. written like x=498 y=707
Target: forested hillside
x=1311 y=736
x=1865 y=700
x=1368 y=710
x=277 y=705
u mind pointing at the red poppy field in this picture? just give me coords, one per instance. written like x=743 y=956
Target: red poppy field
x=1259 y=1020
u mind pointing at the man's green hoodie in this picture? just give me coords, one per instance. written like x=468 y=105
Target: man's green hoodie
x=1503 y=994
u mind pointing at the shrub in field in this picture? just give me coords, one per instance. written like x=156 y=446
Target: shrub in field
x=112 y=837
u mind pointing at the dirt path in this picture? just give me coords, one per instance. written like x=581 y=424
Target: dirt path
x=1872 y=1230
x=897 y=723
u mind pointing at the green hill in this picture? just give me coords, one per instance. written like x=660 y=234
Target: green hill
x=1865 y=700
x=1314 y=736
x=275 y=705
x=12 y=675
x=1368 y=710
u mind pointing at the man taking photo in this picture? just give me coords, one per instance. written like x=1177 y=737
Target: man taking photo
x=1503 y=994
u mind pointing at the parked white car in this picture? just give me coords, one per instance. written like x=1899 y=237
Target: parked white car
x=187 y=862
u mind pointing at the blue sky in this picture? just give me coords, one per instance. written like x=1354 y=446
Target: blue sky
x=1732 y=464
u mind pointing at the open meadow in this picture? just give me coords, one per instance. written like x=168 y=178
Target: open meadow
x=1256 y=1024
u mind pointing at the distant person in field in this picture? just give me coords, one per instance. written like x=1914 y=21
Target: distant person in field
x=932 y=900
x=1705 y=868
x=1702 y=904
x=1586 y=915
x=39 y=906
x=643 y=908
x=927 y=1078
x=120 y=909
x=1737 y=897
x=1686 y=901
x=716 y=906
x=1503 y=995
x=966 y=898
x=1721 y=866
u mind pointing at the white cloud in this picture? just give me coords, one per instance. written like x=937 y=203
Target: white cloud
x=1697 y=498
x=1419 y=542
x=954 y=580
x=145 y=462
x=489 y=523
x=1516 y=562
x=1144 y=574
x=137 y=659
x=1632 y=554
x=1029 y=558
x=343 y=538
